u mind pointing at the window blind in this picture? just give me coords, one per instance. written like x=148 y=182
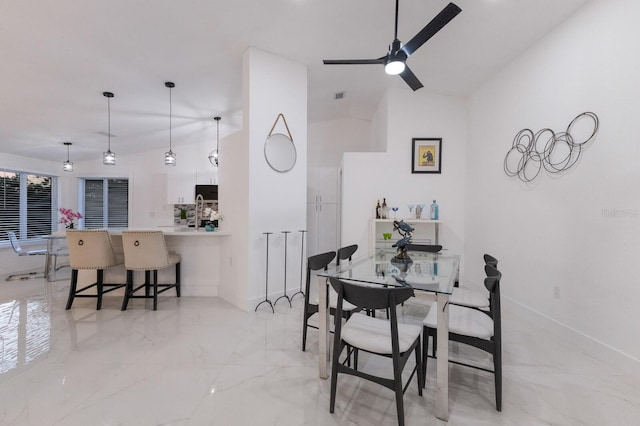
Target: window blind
x=27 y=204
x=106 y=203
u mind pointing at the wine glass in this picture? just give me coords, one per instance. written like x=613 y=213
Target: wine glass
x=419 y=210
x=410 y=206
x=395 y=211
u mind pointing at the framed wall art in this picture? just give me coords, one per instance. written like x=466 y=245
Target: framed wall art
x=426 y=155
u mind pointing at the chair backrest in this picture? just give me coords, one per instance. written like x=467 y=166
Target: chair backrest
x=316 y=263
x=15 y=244
x=90 y=249
x=490 y=260
x=345 y=253
x=492 y=283
x=371 y=297
x=144 y=250
x=429 y=248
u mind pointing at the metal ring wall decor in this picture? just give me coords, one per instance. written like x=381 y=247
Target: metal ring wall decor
x=555 y=152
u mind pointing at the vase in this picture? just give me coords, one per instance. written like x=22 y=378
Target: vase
x=209 y=227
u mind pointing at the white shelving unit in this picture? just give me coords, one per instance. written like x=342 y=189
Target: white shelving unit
x=426 y=232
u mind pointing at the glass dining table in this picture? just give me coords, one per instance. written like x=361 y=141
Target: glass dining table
x=430 y=272
x=56 y=246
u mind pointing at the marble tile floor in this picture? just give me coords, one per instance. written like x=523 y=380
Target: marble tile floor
x=200 y=361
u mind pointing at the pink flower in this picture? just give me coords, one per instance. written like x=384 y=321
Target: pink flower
x=68 y=217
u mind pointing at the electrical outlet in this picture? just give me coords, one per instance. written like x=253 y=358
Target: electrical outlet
x=556 y=292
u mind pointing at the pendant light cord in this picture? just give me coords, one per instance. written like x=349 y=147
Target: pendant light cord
x=170 y=114
x=109 y=124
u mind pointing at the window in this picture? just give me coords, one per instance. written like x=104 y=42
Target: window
x=27 y=204
x=105 y=203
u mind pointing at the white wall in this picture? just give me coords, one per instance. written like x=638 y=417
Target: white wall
x=368 y=177
x=328 y=140
x=277 y=201
x=560 y=254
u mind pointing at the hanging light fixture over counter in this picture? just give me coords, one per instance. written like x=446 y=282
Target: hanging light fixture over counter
x=213 y=155
x=170 y=156
x=67 y=166
x=108 y=157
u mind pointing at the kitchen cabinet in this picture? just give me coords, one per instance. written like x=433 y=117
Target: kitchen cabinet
x=425 y=232
x=180 y=186
x=322 y=210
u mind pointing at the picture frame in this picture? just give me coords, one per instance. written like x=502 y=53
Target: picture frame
x=426 y=155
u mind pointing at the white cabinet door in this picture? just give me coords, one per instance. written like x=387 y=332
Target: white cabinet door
x=322 y=185
x=322 y=224
x=180 y=187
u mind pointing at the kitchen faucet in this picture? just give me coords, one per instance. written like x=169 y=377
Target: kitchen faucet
x=199 y=202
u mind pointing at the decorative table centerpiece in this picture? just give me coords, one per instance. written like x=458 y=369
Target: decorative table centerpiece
x=69 y=217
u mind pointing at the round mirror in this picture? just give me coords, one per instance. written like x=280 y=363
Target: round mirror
x=280 y=152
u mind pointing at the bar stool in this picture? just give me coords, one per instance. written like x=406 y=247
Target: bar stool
x=91 y=249
x=147 y=251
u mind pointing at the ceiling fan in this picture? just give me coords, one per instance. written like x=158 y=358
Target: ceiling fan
x=395 y=60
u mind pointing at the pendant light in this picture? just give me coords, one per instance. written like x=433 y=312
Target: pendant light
x=109 y=157
x=67 y=166
x=213 y=155
x=169 y=157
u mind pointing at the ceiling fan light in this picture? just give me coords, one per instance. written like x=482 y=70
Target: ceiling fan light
x=394 y=67
x=109 y=158
x=170 y=158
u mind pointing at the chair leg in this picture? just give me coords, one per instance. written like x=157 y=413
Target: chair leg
x=397 y=376
x=425 y=353
x=99 y=284
x=419 y=369
x=497 y=368
x=72 y=288
x=337 y=346
x=178 y=279
x=147 y=283
x=305 y=320
x=128 y=289
x=155 y=290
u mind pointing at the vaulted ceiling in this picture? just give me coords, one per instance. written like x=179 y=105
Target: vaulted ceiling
x=59 y=56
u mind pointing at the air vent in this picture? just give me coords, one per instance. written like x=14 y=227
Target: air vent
x=339 y=95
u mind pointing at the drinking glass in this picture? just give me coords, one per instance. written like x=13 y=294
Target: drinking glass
x=410 y=206
x=395 y=210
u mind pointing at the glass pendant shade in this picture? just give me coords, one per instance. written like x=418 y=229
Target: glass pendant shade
x=213 y=155
x=108 y=157
x=170 y=158
x=67 y=166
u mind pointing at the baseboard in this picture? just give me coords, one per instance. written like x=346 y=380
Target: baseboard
x=588 y=344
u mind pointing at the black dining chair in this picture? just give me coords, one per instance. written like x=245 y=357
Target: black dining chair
x=317 y=263
x=345 y=253
x=472 y=298
x=477 y=328
x=386 y=338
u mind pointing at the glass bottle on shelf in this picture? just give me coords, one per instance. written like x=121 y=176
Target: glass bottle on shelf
x=434 y=214
x=378 y=210
x=385 y=209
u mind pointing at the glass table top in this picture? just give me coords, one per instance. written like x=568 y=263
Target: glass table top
x=434 y=272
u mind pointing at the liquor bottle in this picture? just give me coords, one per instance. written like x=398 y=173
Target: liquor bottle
x=435 y=214
x=385 y=209
x=378 y=208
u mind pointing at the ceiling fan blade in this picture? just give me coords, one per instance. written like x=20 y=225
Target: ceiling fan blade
x=436 y=24
x=410 y=78
x=353 y=61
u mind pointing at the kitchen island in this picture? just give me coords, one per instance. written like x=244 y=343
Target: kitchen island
x=203 y=255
